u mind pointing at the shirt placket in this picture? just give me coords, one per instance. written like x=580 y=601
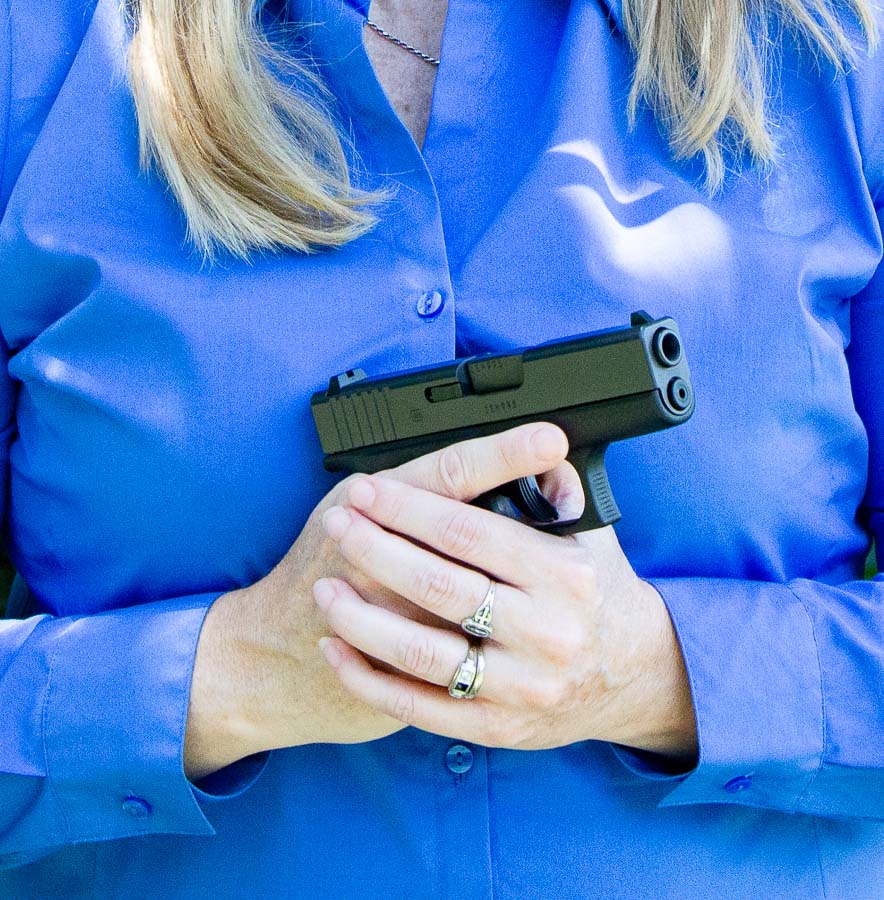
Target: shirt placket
x=411 y=226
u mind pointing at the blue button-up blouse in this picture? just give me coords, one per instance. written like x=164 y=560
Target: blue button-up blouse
x=158 y=451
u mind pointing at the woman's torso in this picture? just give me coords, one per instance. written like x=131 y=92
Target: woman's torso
x=165 y=444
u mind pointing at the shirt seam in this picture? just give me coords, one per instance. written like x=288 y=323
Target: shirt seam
x=868 y=161
x=877 y=161
x=181 y=724
x=492 y=869
x=819 y=857
x=7 y=117
x=825 y=736
x=44 y=713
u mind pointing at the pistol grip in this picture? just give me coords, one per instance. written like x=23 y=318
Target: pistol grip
x=601 y=507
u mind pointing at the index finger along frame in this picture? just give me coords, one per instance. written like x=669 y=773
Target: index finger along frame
x=506 y=550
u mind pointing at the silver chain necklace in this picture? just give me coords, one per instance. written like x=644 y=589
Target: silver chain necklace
x=400 y=43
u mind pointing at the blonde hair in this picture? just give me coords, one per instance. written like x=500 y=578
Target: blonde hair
x=258 y=165
x=703 y=72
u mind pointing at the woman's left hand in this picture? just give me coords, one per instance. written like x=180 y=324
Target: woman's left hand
x=582 y=648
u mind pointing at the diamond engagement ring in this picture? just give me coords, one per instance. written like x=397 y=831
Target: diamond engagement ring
x=479 y=623
x=468 y=677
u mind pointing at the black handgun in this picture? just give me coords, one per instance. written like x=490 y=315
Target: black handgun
x=600 y=387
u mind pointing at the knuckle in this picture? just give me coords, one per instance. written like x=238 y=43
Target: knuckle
x=393 y=501
x=569 y=648
x=545 y=639
x=543 y=694
x=580 y=576
x=462 y=534
x=419 y=655
x=401 y=707
x=562 y=646
x=436 y=587
x=454 y=471
x=511 y=452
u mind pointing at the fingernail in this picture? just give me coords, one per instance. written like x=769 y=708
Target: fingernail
x=336 y=521
x=548 y=444
x=323 y=594
x=330 y=652
x=362 y=493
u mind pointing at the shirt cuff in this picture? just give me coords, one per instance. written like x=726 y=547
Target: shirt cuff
x=754 y=676
x=232 y=780
x=114 y=720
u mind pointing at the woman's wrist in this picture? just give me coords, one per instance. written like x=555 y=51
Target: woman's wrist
x=656 y=711
x=221 y=726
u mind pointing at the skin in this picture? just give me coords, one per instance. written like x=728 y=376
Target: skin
x=406 y=79
x=580 y=643
x=355 y=633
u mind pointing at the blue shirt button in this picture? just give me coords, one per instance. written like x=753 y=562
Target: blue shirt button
x=459 y=759
x=430 y=303
x=740 y=783
x=137 y=808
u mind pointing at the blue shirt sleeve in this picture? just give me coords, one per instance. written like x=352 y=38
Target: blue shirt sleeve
x=94 y=710
x=786 y=677
x=5 y=91
x=93 y=707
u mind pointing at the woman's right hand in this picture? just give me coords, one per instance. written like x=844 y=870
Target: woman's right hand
x=259 y=679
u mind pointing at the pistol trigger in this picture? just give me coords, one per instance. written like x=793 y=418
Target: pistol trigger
x=530 y=501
